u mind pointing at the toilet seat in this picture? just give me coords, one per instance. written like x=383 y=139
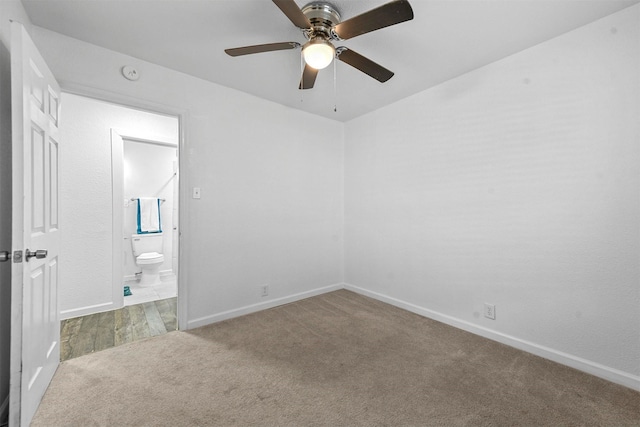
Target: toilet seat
x=150 y=258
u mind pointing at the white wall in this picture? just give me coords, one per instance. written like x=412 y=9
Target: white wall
x=9 y=9
x=86 y=260
x=149 y=172
x=271 y=177
x=517 y=185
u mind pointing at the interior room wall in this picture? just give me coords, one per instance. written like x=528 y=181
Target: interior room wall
x=9 y=9
x=515 y=185
x=86 y=258
x=271 y=180
x=149 y=172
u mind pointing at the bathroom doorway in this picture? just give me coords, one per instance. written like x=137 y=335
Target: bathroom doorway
x=150 y=170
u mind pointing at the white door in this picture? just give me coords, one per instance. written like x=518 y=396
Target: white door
x=35 y=325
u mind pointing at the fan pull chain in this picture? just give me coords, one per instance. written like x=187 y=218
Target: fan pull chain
x=335 y=85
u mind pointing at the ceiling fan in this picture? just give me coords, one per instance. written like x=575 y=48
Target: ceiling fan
x=321 y=26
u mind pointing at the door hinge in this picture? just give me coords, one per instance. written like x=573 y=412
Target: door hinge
x=17 y=257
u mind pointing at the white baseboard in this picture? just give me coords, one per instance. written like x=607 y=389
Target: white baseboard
x=4 y=410
x=587 y=366
x=91 y=309
x=593 y=368
x=218 y=317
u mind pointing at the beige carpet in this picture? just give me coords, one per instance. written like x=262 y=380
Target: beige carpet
x=338 y=359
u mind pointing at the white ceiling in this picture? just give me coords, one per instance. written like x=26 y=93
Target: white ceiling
x=446 y=38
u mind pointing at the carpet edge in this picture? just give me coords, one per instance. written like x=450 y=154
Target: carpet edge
x=593 y=368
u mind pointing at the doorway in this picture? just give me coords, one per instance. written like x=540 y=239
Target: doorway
x=150 y=169
x=97 y=209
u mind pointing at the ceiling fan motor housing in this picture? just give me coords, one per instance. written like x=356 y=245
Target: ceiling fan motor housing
x=323 y=17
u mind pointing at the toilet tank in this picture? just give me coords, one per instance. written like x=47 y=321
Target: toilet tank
x=144 y=243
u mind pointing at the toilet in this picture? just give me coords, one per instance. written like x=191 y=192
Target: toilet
x=147 y=249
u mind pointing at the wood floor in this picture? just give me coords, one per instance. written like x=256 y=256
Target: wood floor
x=95 y=332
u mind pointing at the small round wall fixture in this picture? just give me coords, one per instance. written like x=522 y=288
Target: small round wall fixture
x=130 y=73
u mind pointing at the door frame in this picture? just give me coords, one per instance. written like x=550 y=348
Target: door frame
x=184 y=183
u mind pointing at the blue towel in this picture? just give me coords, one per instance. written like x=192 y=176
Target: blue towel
x=149 y=215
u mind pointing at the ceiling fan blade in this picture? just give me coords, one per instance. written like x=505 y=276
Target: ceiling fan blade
x=259 y=48
x=308 y=77
x=386 y=15
x=363 y=64
x=293 y=12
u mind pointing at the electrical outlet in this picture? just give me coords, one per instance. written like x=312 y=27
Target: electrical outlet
x=489 y=311
x=264 y=290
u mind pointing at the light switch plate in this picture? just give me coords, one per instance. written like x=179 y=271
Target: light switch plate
x=196 y=192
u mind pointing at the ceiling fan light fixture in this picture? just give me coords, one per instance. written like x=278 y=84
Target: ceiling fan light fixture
x=321 y=24
x=318 y=53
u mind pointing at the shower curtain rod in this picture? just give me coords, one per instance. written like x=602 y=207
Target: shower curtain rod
x=133 y=199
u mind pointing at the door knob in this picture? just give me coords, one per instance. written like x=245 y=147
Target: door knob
x=5 y=256
x=39 y=254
